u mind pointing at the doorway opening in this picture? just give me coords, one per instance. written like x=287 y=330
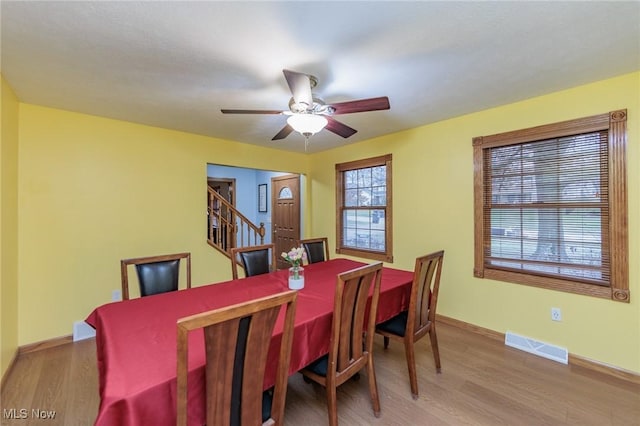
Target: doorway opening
x=250 y=193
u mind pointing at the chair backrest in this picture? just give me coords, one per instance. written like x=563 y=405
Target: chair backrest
x=237 y=341
x=350 y=307
x=317 y=249
x=255 y=260
x=424 y=292
x=156 y=274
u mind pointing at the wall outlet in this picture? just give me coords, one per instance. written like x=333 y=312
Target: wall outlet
x=116 y=295
x=556 y=314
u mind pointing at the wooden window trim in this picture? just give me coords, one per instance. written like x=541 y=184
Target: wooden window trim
x=387 y=256
x=616 y=124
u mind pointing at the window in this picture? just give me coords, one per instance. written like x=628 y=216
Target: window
x=363 y=208
x=551 y=206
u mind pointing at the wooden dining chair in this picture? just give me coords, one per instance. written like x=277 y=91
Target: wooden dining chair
x=317 y=249
x=349 y=352
x=255 y=260
x=156 y=274
x=410 y=326
x=237 y=341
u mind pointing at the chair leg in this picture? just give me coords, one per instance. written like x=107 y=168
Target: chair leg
x=434 y=347
x=411 y=366
x=332 y=405
x=386 y=342
x=373 y=387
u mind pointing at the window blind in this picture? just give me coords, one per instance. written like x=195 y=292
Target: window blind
x=546 y=207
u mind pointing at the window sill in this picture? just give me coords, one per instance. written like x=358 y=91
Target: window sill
x=554 y=284
x=373 y=255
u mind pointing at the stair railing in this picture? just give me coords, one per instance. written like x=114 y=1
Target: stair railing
x=228 y=228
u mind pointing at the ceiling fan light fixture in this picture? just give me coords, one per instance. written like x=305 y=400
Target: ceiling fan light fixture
x=307 y=123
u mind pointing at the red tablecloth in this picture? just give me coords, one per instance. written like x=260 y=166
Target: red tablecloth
x=136 y=339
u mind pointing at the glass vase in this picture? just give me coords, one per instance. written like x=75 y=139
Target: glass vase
x=296 y=277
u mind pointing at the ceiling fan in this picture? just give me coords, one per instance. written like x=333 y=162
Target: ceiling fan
x=308 y=114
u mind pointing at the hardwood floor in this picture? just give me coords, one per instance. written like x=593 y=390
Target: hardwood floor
x=483 y=382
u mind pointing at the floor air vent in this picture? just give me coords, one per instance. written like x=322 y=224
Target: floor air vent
x=82 y=330
x=545 y=350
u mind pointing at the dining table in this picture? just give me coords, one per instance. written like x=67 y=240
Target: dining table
x=137 y=349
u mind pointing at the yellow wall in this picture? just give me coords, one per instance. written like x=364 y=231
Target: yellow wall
x=8 y=226
x=433 y=209
x=92 y=191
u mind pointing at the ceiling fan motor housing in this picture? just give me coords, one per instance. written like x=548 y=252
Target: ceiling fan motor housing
x=318 y=107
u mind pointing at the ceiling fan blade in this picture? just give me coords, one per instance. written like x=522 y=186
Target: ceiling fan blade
x=361 y=105
x=251 y=111
x=339 y=128
x=283 y=133
x=300 y=86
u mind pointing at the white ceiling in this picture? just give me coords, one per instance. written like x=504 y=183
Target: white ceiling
x=175 y=64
